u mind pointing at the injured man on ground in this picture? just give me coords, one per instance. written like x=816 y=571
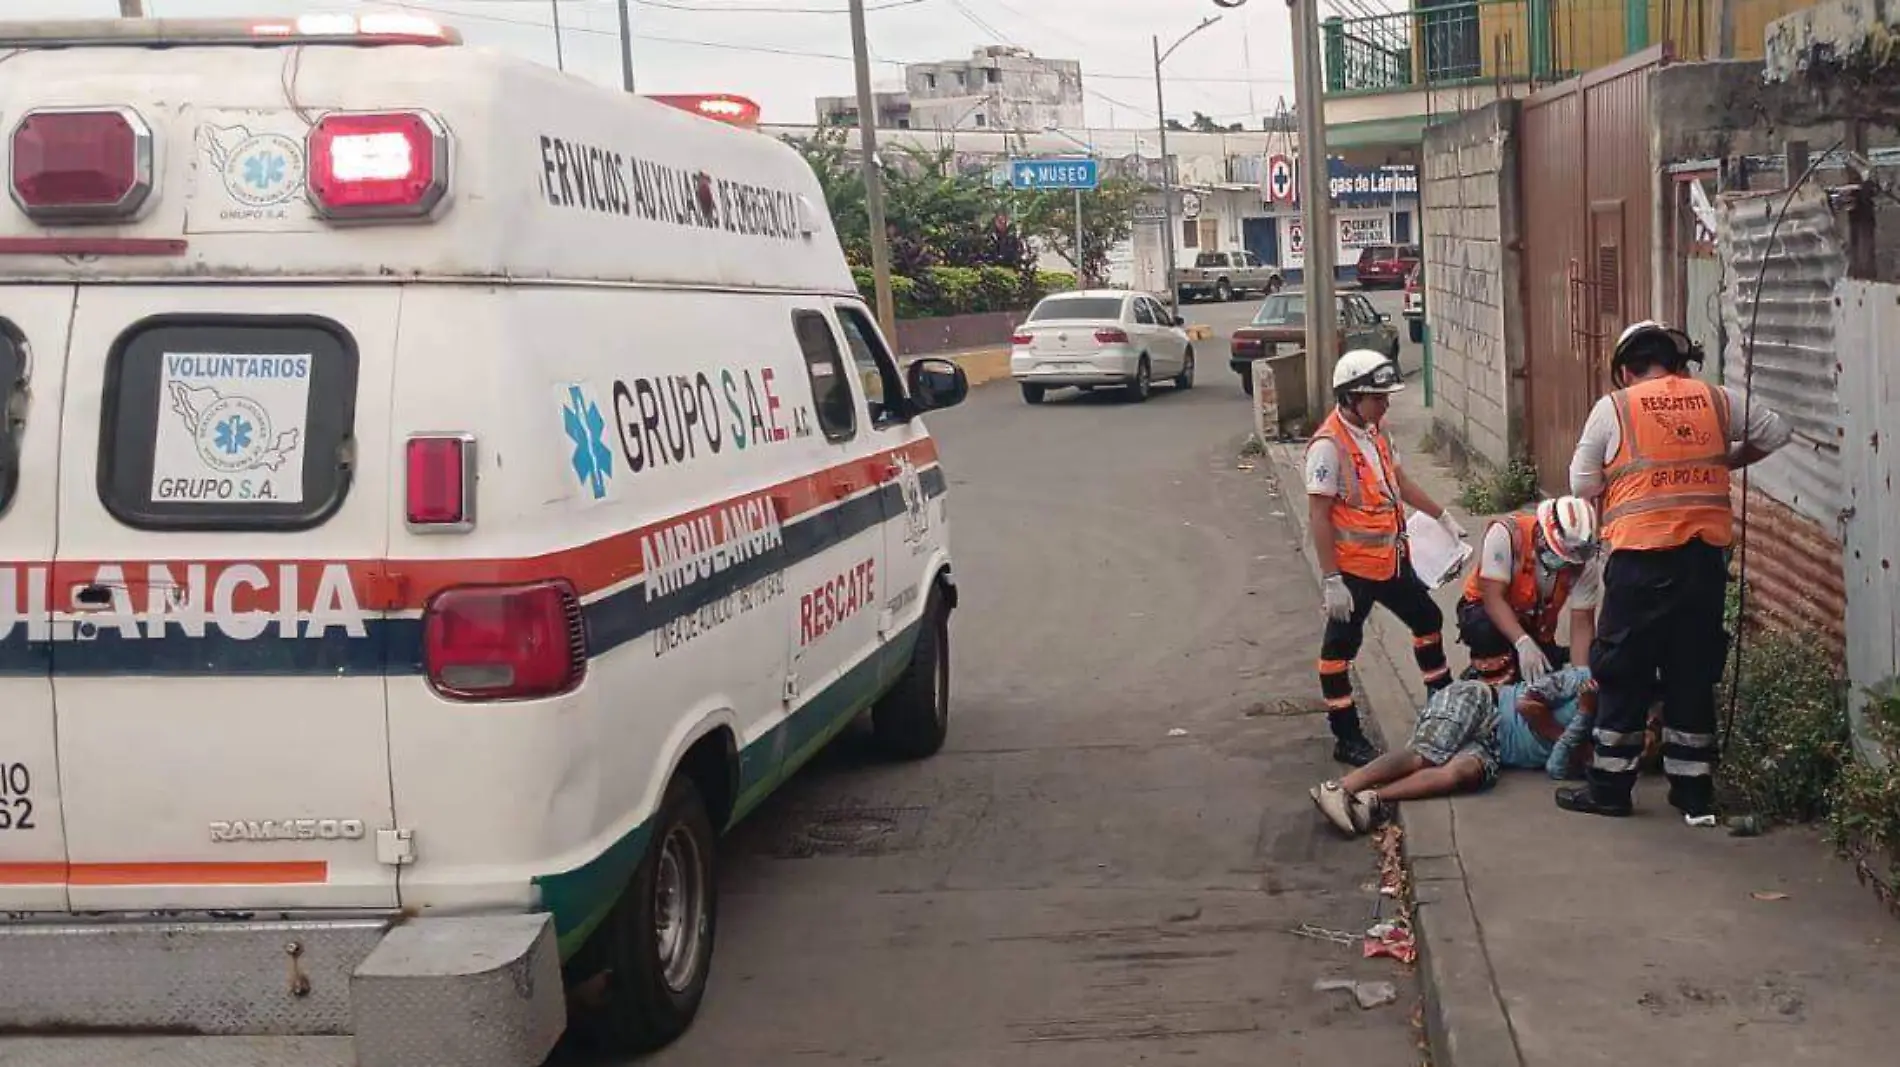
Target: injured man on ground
x=1463 y=738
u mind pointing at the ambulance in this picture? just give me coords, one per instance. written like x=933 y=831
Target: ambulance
x=438 y=496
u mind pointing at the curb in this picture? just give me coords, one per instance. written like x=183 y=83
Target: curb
x=1465 y=1021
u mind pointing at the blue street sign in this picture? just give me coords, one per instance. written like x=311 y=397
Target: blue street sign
x=1054 y=173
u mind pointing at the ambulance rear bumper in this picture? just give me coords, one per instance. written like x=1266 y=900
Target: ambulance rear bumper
x=479 y=991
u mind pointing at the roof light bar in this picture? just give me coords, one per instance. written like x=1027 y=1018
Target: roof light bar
x=369 y=28
x=720 y=107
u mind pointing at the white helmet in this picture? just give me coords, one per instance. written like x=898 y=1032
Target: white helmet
x=1365 y=371
x=1569 y=526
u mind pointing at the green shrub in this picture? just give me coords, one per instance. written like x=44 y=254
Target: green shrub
x=1487 y=491
x=997 y=289
x=1053 y=281
x=1864 y=808
x=956 y=287
x=1788 y=743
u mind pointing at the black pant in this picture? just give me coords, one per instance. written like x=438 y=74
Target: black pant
x=1493 y=655
x=1404 y=596
x=1660 y=628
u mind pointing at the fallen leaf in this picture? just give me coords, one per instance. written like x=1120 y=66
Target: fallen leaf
x=1769 y=896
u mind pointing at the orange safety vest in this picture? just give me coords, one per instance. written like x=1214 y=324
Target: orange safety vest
x=1538 y=614
x=1367 y=515
x=1669 y=480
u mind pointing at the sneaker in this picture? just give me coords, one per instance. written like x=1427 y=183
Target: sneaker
x=1368 y=811
x=1332 y=802
x=1585 y=801
x=1354 y=751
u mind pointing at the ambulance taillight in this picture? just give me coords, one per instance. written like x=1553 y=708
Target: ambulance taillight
x=505 y=642
x=440 y=483
x=81 y=164
x=391 y=165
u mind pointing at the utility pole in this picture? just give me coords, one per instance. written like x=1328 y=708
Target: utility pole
x=131 y=9
x=626 y=46
x=1167 y=176
x=560 y=59
x=1322 y=322
x=1167 y=192
x=873 y=179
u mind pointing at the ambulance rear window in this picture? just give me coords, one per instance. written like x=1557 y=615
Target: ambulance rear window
x=228 y=423
x=12 y=381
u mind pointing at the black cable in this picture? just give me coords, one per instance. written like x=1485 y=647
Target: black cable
x=1748 y=404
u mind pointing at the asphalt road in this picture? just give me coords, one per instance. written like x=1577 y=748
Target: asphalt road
x=1103 y=866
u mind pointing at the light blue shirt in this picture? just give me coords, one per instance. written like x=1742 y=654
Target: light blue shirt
x=1518 y=743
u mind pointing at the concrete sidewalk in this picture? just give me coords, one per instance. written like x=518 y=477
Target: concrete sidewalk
x=1557 y=940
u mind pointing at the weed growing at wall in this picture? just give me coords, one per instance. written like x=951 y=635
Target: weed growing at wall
x=1786 y=749
x=1486 y=491
x=1864 y=809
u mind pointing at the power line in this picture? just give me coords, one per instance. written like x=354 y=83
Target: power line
x=761 y=9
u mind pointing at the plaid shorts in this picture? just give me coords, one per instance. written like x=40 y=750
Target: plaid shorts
x=1461 y=720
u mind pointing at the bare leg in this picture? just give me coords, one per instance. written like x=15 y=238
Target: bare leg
x=1460 y=775
x=1390 y=767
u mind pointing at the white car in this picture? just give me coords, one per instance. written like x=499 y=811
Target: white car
x=1100 y=338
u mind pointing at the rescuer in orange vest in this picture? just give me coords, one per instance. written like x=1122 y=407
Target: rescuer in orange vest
x=1356 y=495
x=1532 y=567
x=1659 y=449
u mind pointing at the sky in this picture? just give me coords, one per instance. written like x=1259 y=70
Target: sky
x=784 y=53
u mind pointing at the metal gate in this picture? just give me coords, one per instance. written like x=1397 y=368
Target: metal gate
x=1588 y=201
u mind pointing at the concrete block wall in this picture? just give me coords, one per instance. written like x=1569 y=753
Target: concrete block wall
x=1472 y=299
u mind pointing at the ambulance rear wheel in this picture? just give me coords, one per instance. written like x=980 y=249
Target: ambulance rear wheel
x=912 y=720
x=657 y=942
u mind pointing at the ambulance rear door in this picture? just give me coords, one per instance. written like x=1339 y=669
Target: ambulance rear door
x=33 y=324
x=220 y=650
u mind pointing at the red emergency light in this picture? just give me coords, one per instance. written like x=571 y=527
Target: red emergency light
x=81 y=164
x=720 y=107
x=384 y=165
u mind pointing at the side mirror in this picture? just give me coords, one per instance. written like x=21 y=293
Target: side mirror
x=936 y=384
x=1180 y=320
x=1385 y=316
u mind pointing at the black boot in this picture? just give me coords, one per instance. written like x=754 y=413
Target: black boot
x=1586 y=801
x=1355 y=751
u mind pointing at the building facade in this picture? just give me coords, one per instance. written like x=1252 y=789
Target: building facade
x=1000 y=87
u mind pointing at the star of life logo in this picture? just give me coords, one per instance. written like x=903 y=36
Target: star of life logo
x=262 y=172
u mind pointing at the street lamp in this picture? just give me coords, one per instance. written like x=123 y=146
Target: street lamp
x=1167 y=177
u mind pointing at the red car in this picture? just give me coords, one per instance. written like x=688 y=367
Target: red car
x=1387 y=265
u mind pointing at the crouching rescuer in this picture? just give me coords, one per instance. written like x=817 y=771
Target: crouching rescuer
x=1357 y=492
x=1660 y=449
x=1532 y=567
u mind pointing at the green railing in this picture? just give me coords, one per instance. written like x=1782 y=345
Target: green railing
x=1499 y=40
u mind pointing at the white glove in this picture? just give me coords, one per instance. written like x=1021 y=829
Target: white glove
x=1451 y=525
x=1532 y=665
x=1338 y=598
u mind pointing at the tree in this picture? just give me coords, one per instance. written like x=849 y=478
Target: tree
x=1107 y=220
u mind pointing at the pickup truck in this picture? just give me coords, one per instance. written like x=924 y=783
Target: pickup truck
x=1226 y=275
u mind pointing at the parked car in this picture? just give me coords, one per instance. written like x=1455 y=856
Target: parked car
x=1100 y=338
x=1226 y=275
x=1387 y=265
x=1415 y=304
x=1281 y=321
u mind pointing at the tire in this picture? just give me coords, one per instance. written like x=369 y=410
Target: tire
x=1032 y=394
x=911 y=721
x=1223 y=292
x=1246 y=382
x=654 y=982
x=1185 y=380
x=1275 y=284
x=1138 y=390
x=1417 y=330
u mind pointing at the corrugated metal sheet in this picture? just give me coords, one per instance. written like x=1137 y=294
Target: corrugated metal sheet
x=1795 y=370
x=1867 y=321
x=1795 y=575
